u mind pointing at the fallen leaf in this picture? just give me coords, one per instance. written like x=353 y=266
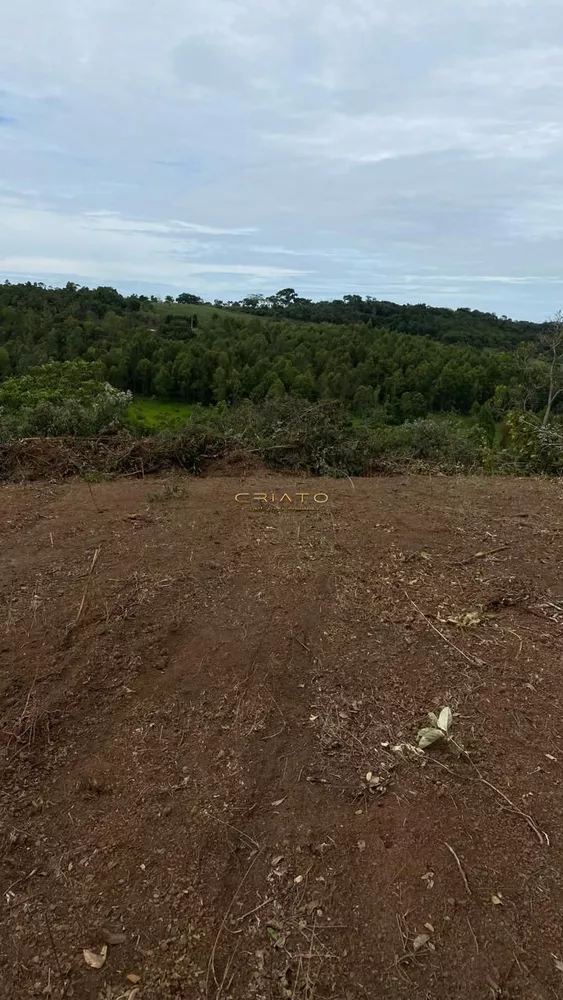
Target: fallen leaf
x=111 y=937
x=298 y=879
x=558 y=963
x=550 y=756
x=311 y=906
x=430 y=928
x=278 y=802
x=276 y=861
x=427 y=736
x=132 y=977
x=93 y=960
x=429 y=879
x=445 y=719
x=419 y=941
x=465 y=620
x=496 y=900
x=373 y=779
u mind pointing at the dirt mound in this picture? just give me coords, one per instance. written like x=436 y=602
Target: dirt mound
x=193 y=695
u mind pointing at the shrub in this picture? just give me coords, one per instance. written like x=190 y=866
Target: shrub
x=60 y=398
x=449 y=444
x=531 y=447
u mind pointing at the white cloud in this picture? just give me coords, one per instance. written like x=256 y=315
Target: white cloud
x=510 y=72
x=214 y=230
x=151 y=143
x=99 y=246
x=537 y=220
x=372 y=138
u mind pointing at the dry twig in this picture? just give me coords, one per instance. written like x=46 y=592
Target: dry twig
x=18 y=881
x=514 y=808
x=469 y=659
x=458 y=863
x=542 y=836
x=89 y=577
x=480 y=555
x=297 y=639
x=236 y=830
x=473 y=934
x=211 y=963
x=256 y=908
x=56 y=954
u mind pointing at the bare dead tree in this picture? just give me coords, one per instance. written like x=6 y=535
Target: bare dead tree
x=553 y=342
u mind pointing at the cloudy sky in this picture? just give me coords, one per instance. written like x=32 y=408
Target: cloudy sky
x=406 y=149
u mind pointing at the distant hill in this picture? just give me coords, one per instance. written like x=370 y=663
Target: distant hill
x=464 y=325
x=468 y=326
x=383 y=361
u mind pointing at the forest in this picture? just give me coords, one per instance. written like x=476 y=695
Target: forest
x=465 y=326
x=401 y=362
x=385 y=365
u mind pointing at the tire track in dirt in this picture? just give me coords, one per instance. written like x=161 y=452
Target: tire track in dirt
x=225 y=658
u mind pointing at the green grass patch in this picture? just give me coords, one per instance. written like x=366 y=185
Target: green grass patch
x=158 y=414
x=186 y=309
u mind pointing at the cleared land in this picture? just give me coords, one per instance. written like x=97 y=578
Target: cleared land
x=192 y=695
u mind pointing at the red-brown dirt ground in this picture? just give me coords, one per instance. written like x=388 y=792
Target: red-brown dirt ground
x=193 y=692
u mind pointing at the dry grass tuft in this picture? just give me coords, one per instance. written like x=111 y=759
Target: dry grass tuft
x=32 y=723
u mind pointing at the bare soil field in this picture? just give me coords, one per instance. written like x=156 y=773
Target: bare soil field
x=210 y=780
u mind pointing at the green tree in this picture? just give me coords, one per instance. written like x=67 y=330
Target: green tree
x=163 y=382
x=277 y=389
x=364 y=399
x=220 y=385
x=4 y=362
x=553 y=345
x=486 y=421
x=304 y=385
x=144 y=377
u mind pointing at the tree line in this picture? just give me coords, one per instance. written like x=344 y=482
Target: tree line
x=468 y=326
x=387 y=367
